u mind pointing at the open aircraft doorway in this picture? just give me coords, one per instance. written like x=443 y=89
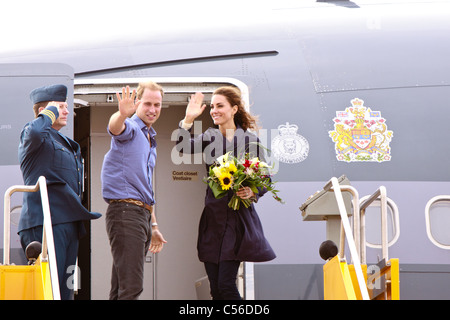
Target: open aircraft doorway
x=173 y=273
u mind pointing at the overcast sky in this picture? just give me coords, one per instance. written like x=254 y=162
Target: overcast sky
x=26 y=23
x=40 y=23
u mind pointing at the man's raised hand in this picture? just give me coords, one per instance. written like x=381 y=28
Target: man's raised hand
x=127 y=102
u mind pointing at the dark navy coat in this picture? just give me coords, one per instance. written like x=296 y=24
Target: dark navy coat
x=43 y=151
x=226 y=234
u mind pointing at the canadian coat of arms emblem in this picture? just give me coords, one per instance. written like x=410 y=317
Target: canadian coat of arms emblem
x=289 y=146
x=361 y=134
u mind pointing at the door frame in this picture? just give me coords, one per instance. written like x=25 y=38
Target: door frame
x=172 y=86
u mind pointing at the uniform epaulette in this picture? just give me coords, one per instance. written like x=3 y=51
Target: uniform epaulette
x=50 y=113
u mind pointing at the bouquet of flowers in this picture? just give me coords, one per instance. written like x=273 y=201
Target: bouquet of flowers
x=228 y=172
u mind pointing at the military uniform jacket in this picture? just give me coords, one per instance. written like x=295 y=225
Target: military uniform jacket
x=226 y=234
x=43 y=151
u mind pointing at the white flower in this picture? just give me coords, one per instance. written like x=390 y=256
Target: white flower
x=223 y=159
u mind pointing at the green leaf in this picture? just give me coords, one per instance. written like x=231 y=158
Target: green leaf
x=217 y=190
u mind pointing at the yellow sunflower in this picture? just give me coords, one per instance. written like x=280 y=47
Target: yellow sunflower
x=232 y=168
x=226 y=180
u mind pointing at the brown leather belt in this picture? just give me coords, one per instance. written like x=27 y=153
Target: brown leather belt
x=136 y=202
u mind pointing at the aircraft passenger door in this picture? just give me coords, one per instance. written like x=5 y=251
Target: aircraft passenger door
x=179 y=188
x=179 y=193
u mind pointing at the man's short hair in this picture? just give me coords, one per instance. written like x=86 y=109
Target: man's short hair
x=148 y=85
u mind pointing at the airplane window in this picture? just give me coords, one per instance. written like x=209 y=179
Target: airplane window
x=373 y=223
x=439 y=222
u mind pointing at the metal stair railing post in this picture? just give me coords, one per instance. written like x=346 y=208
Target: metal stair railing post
x=356 y=222
x=48 y=240
x=48 y=245
x=7 y=218
x=348 y=234
x=385 y=265
x=380 y=193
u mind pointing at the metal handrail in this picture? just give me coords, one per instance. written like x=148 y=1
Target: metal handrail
x=380 y=193
x=348 y=232
x=395 y=223
x=428 y=222
x=356 y=220
x=48 y=245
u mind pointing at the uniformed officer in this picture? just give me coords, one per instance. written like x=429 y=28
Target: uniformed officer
x=44 y=151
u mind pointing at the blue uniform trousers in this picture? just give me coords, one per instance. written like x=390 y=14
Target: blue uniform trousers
x=65 y=237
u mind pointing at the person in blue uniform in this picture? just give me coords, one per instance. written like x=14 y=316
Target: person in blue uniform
x=226 y=237
x=44 y=151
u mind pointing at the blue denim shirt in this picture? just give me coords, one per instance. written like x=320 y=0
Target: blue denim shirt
x=128 y=166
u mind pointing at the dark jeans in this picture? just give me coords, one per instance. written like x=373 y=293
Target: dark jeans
x=130 y=233
x=222 y=279
x=65 y=237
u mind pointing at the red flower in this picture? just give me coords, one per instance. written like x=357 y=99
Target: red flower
x=247 y=163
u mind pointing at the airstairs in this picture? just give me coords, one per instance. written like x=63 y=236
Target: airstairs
x=39 y=279
x=354 y=280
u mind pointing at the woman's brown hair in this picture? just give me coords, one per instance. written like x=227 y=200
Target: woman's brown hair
x=242 y=117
